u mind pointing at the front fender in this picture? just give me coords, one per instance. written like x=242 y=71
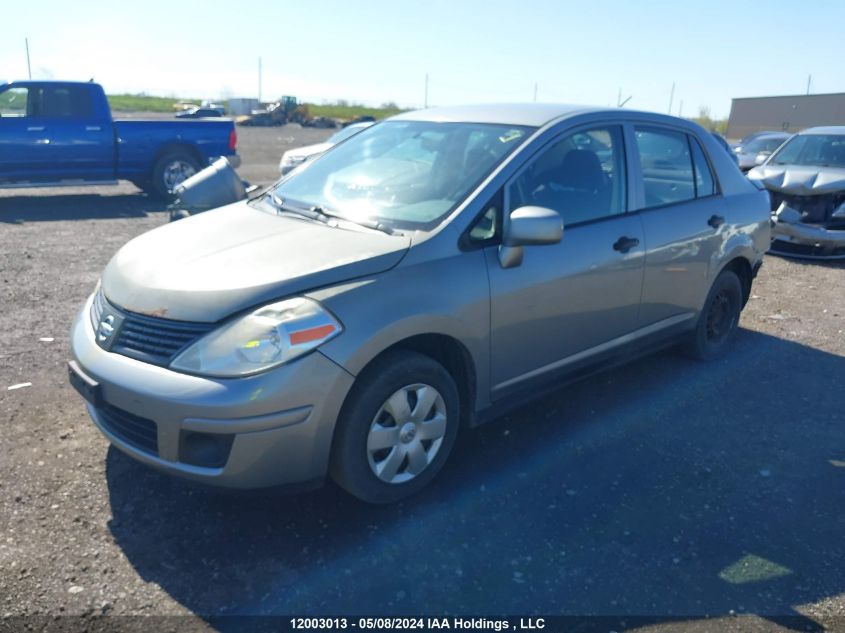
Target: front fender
x=448 y=296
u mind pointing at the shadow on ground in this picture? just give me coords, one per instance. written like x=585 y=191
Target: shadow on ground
x=665 y=488
x=17 y=209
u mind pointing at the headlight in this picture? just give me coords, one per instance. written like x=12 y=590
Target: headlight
x=269 y=336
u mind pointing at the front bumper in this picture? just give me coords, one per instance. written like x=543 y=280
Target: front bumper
x=811 y=241
x=278 y=424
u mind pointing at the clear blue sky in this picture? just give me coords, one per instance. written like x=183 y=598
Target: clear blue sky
x=473 y=50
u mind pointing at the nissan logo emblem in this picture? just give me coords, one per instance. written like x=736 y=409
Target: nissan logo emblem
x=106 y=328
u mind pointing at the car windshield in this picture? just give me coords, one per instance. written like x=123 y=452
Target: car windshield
x=403 y=174
x=820 y=150
x=346 y=132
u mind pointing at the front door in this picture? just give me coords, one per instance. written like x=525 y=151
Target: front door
x=566 y=301
x=50 y=132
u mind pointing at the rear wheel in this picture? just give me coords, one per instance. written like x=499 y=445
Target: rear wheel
x=397 y=429
x=171 y=170
x=719 y=319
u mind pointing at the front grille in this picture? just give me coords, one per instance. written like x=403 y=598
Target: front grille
x=154 y=340
x=817 y=209
x=150 y=339
x=132 y=429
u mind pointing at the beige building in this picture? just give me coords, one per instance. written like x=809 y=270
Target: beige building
x=791 y=113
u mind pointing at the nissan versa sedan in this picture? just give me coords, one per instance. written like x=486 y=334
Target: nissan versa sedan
x=415 y=280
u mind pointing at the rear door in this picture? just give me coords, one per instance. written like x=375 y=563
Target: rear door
x=567 y=301
x=683 y=216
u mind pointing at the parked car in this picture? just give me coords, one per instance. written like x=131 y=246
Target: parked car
x=414 y=280
x=745 y=140
x=758 y=149
x=57 y=133
x=199 y=113
x=295 y=157
x=806 y=181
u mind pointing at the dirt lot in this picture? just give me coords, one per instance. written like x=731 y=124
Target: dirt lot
x=662 y=489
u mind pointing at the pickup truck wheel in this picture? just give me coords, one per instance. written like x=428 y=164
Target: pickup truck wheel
x=172 y=169
x=719 y=319
x=397 y=428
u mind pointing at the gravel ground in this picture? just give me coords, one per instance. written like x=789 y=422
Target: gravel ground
x=664 y=489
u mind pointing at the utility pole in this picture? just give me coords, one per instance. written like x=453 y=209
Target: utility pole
x=535 y=92
x=28 y=67
x=671 y=97
x=426 y=91
x=809 y=79
x=259 y=80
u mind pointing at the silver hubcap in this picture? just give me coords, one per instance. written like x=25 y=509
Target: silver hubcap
x=177 y=172
x=406 y=433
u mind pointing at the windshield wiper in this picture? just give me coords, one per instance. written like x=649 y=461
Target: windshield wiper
x=321 y=214
x=281 y=207
x=365 y=222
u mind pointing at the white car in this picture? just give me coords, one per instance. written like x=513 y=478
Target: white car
x=295 y=157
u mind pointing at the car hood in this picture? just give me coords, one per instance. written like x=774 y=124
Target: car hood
x=208 y=266
x=799 y=179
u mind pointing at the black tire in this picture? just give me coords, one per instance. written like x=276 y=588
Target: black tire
x=163 y=178
x=719 y=319
x=351 y=457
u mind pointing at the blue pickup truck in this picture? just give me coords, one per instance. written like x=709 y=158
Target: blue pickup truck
x=55 y=133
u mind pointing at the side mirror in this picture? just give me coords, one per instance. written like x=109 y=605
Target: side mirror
x=529 y=226
x=761 y=157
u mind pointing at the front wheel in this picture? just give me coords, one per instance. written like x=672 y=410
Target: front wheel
x=171 y=170
x=719 y=319
x=397 y=429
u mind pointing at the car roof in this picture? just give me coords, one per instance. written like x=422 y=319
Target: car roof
x=531 y=114
x=827 y=129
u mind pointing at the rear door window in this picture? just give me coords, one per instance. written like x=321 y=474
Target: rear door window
x=66 y=102
x=666 y=166
x=705 y=184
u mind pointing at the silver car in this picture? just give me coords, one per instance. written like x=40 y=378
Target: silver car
x=754 y=152
x=806 y=180
x=421 y=277
x=293 y=158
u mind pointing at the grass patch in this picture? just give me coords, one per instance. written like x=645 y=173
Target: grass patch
x=337 y=110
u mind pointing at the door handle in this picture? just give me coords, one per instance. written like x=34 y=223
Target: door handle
x=716 y=221
x=625 y=244
x=92 y=128
x=35 y=128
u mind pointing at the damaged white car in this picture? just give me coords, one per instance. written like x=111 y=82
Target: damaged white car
x=806 y=180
